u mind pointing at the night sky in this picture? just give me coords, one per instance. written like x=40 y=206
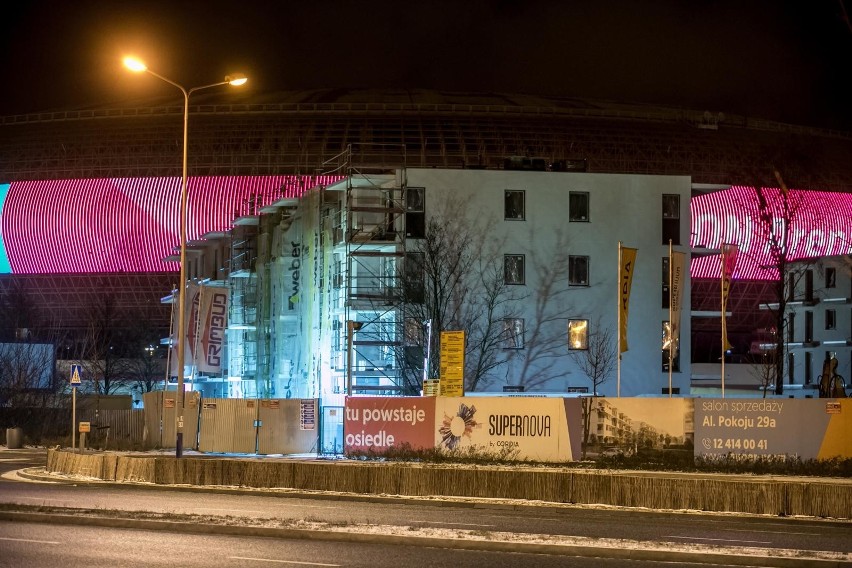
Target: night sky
x=785 y=60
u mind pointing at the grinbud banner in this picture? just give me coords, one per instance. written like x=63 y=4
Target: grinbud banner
x=211 y=321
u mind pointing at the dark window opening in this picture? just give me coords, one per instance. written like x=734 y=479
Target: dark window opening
x=578 y=206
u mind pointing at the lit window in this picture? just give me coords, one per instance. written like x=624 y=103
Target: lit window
x=513 y=268
x=578 y=206
x=513 y=333
x=578 y=270
x=514 y=205
x=578 y=334
x=666 y=344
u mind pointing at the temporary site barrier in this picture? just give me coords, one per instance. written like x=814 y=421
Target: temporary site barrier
x=228 y=425
x=160 y=425
x=287 y=426
x=552 y=429
x=543 y=429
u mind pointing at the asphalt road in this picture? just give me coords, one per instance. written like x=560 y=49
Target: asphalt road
x=647 y=526
x=49 y=546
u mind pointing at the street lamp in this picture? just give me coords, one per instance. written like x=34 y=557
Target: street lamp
x=236 y=80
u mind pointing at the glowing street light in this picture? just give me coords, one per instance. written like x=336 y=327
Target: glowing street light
x=236 y=80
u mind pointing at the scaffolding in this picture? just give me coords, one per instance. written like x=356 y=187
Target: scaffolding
x=242 y=313
x=368 y=251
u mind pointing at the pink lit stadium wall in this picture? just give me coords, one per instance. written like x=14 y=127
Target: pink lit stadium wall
x=131 y=224
x=820 y=225
x=123 y=225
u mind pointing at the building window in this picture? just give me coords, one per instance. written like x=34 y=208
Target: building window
x=809 y=327
x=808 y=363
x=578 y=270
x=578 y=334
x=415 y=212
x=667 y=339
x=666 y=298
x=412 y=332
x=514 y=205
x=791 y=327
x=830 y=319
x=513 y=333
x=791 y=365
x=513 y=268
x=414 y=287
x=671 y=218
x=830 y=277
x=578 y=206
x=809 y=285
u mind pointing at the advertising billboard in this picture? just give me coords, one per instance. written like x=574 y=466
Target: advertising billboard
x=801 y=428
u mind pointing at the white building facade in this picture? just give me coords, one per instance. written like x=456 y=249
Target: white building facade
x=819 y=321
x=321 y=287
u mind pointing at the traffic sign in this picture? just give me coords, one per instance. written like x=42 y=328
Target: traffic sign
x=76 y=371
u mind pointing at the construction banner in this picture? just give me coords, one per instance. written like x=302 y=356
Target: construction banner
x=191 y=300
x=627 y=261
x=212 y=321
x=540 y=429
x=806 y=429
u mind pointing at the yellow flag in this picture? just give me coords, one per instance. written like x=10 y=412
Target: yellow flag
x=729 y=263
x=625 y=279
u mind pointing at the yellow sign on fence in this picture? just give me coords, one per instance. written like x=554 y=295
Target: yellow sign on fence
x=85 y=427
x=452 y=363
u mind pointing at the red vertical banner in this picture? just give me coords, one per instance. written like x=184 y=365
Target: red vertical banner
x=729 y=264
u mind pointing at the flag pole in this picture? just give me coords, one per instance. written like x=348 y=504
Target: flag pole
x=671 y=320
x=618 y=311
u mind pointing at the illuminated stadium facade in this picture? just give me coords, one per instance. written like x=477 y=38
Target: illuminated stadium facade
x=89 y=196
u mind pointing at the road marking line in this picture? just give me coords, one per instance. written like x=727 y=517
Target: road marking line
x=776 y=532
x=227 y=510
x=454 y=524
x=13 y=475
x=718 y=539
x=281 y=561
x=30 y=540
x=41 y=499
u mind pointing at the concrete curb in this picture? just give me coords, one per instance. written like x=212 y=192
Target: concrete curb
x=724 y=493
x=38 y=474
x=590 y=550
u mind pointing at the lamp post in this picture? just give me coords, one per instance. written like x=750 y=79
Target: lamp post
x=236 y=80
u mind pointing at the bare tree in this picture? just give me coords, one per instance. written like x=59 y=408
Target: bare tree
x=764 y=370
x=27 y=373
x=103 y=349
x=453 y=278
x=545 y=337
x=777 y=213
x=597 y=362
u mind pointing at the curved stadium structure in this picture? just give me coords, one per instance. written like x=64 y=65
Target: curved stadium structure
x=90 y=196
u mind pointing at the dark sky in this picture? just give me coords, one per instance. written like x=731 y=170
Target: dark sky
x=787 y=60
